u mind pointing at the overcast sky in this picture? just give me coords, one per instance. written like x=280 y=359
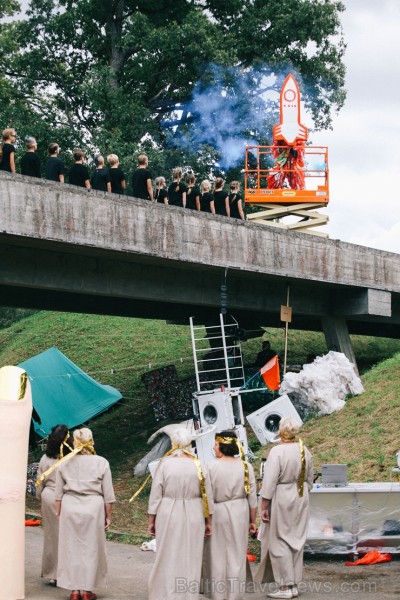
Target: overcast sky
x=364 y=146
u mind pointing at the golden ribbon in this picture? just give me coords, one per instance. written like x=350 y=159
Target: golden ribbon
x=300 y=485
x=234 y=440
x=88 y=444
x=199 y=473
x=23 y=380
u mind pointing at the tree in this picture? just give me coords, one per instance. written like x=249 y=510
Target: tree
x=129 y=74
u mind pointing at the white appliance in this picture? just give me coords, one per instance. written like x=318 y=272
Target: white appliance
x=221 y=408
x=265 y=421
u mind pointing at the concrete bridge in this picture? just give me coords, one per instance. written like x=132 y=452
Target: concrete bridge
x=63 y=248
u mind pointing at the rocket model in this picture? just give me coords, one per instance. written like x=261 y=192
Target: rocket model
x=290 y=130
x=15 y=418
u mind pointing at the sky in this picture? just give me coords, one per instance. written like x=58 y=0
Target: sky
x=364 y=145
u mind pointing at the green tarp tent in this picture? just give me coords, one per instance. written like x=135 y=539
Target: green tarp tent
x=63 y=393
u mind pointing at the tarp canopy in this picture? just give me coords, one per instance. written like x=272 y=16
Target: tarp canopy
x=63 y=393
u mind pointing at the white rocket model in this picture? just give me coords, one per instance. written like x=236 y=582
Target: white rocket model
x=15 y=417
x=289 y=129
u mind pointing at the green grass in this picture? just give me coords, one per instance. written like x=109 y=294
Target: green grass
x=117 y=351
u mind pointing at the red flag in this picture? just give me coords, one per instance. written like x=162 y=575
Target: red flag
x=270 y=374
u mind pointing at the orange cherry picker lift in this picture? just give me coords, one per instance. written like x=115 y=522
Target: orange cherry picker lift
x=288 y=178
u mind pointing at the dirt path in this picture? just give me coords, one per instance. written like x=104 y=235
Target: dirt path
x=129 y=568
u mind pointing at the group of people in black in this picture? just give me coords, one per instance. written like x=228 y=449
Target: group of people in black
x=187 y=194
x=112 y=179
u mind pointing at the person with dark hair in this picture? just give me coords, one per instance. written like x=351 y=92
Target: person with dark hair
x=59 y=443
x=235 y=508
x=84 y=497
x=7 y=150
x=117 y=176
x=79 y=173
x=101 y=177
x=141 y=180
x=177 y=190
x=193 y=193
x=54 y=170
x=265 y=355
x=236 y=201
x=221 y=198
x=30 y=162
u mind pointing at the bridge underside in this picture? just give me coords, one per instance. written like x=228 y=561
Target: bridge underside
x=56 y=277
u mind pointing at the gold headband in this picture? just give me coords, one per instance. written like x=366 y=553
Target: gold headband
x=235 y=440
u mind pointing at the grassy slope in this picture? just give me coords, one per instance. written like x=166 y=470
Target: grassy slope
x=118 y=350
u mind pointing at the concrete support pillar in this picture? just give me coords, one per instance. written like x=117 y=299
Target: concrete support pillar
x=337 y=337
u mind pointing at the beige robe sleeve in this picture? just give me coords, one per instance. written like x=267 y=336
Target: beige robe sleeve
x=271 y=475
x=59 y=491
x=156 y=492
x=107 y=486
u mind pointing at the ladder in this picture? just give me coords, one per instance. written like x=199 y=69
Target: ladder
x=217 y=354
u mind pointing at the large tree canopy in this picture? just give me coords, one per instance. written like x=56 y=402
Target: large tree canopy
x=125 y=72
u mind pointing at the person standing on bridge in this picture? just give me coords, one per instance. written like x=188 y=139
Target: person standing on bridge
x=54 y=167
x=117 y=176
x=30 y=162
x=206 y=198
x=141 y=180
x=7 y=150
x=193 y=193
x=161 y=194
x=79 y=173
x=221 y=198
x=177 y=190
x=101 y=177
x=236 y=201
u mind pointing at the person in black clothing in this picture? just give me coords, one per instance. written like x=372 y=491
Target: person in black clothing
x=221 y=200
x=141 y=180
x=161 y=195
x=117 y=176
x=206 y=198
x=101 y=177
x=236 y=201
x=79 y=173
x=54 y=167
x=265 y=355
x=30 y=162
x=193 y=193
x=7 y=150
x=177 y=190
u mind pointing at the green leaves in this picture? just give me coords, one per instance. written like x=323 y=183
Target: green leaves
x=113 y=74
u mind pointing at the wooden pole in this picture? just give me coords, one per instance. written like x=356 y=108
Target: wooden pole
x=286 y=331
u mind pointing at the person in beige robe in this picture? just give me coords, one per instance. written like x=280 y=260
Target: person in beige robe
x=84 y=495
x=179 y=520
x=234 y=517
x=45 y=493
x=284 y=511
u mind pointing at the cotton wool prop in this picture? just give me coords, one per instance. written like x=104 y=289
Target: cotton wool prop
x=322 y=386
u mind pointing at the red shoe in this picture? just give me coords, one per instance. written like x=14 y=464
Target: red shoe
x=88 y=596
x=75 y=596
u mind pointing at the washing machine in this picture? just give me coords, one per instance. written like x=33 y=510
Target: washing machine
x=265 y=421
x=221 y=408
